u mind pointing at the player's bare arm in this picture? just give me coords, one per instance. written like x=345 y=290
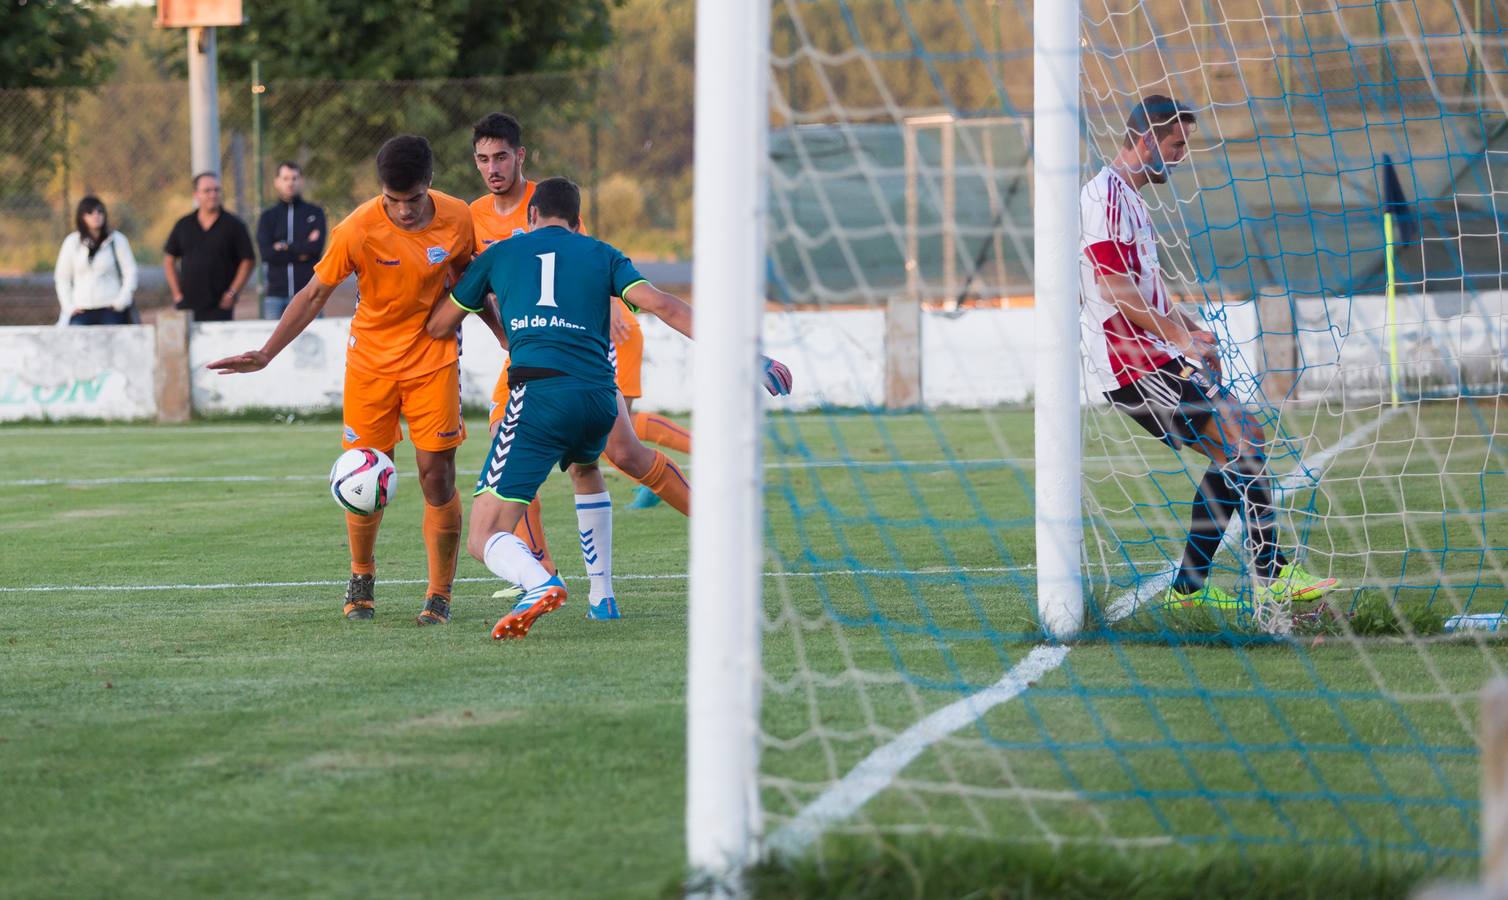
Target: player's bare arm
x=676 y=313
x=617 y=326
x=1202 y=335
x=304 y=308
x=1195 y=343
x=672 y=310
x=445 y=318
x=488 y=315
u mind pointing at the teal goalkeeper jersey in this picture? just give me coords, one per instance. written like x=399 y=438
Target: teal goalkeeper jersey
x=554 y=288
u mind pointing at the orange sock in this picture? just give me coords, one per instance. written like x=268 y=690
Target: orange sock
x=442 y=541
x=654 y=429
x=361 y=531
x=666 y=480
x=531 y=530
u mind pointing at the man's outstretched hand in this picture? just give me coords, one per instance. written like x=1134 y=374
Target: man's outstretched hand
x=777 y=378
x=250 y=361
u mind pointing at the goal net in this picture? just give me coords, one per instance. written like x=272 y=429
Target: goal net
x=1337 y=225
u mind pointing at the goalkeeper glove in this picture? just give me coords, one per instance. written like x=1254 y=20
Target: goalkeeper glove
x=777 y=378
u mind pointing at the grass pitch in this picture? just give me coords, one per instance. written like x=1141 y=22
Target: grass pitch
x=184 y=712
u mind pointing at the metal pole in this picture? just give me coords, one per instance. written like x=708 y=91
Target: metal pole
x=593 y=137
x=1476 y=63
x=912 y=159
x=1285 y=63
x=204 y=101
x=258 y=164
x=65 y=127
x=950 y=210
x=1060 y=526
x=726 y=616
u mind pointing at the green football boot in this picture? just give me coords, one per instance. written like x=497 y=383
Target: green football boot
x=1207 y=596
x=1296 y=584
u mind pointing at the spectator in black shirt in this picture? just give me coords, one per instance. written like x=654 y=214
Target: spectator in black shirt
x=291 y=236
x=214 y=250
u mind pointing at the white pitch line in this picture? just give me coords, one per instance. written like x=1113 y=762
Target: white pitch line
x=156 y=479
x=664 y=576
x=253 y=479
x=1299 y=478
x=879 y=464
x=164 y=430
x=879 y=769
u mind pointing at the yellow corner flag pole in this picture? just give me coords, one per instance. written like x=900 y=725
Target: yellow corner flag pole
x=1392 y=326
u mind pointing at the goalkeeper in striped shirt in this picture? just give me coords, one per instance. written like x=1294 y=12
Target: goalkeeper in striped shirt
x=1161 y=368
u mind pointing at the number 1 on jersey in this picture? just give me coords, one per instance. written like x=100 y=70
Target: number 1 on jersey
x=547 y=280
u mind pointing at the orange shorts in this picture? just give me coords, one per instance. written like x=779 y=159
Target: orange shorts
x=628 y=357
x=431 y=404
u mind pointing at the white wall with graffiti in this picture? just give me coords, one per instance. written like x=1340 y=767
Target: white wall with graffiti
x=77 y=373
x=982 y=358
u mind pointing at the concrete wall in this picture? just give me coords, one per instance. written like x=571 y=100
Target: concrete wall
x=1339 y=348
x=77 y=373
x=981 y=358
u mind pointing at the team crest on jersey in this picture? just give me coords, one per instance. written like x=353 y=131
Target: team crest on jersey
x=436 y=255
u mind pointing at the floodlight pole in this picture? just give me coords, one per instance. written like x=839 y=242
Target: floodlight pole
x=204 y=101
x=1055 y=175
x=726 y=614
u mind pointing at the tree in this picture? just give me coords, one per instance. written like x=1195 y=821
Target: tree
x=55 y=43
x=397 y=40
x=343 y=75
x=44 y=44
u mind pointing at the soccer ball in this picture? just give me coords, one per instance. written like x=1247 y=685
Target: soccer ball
x=362 y=481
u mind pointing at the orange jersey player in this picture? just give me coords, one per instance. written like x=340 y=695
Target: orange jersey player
x=564 y=400
x=501 y=213
x=407 y=247
x=499 y=153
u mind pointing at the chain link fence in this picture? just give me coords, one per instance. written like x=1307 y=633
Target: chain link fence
x=129 y=145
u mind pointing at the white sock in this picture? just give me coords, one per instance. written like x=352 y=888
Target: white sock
x=509 y=558
x=594 y=520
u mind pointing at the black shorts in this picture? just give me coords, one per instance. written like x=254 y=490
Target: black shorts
x=1173 y=403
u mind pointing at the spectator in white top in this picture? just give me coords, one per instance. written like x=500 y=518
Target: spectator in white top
x=96 y=273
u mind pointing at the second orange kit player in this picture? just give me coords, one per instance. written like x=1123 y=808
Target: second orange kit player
x=407 y=247
x=497 y=143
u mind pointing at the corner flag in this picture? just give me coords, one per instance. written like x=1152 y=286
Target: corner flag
x=1394 y=203
x=1398 y=227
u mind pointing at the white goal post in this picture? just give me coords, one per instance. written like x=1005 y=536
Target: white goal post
x=723 y=667
x=723 y=819
x=1055 y=224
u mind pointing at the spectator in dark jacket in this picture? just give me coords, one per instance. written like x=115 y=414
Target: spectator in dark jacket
x=291 y=236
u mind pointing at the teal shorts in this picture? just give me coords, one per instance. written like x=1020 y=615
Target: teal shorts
x=548 y=422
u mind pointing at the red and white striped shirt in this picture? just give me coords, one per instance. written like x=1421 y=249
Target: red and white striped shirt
x=1115 y=235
